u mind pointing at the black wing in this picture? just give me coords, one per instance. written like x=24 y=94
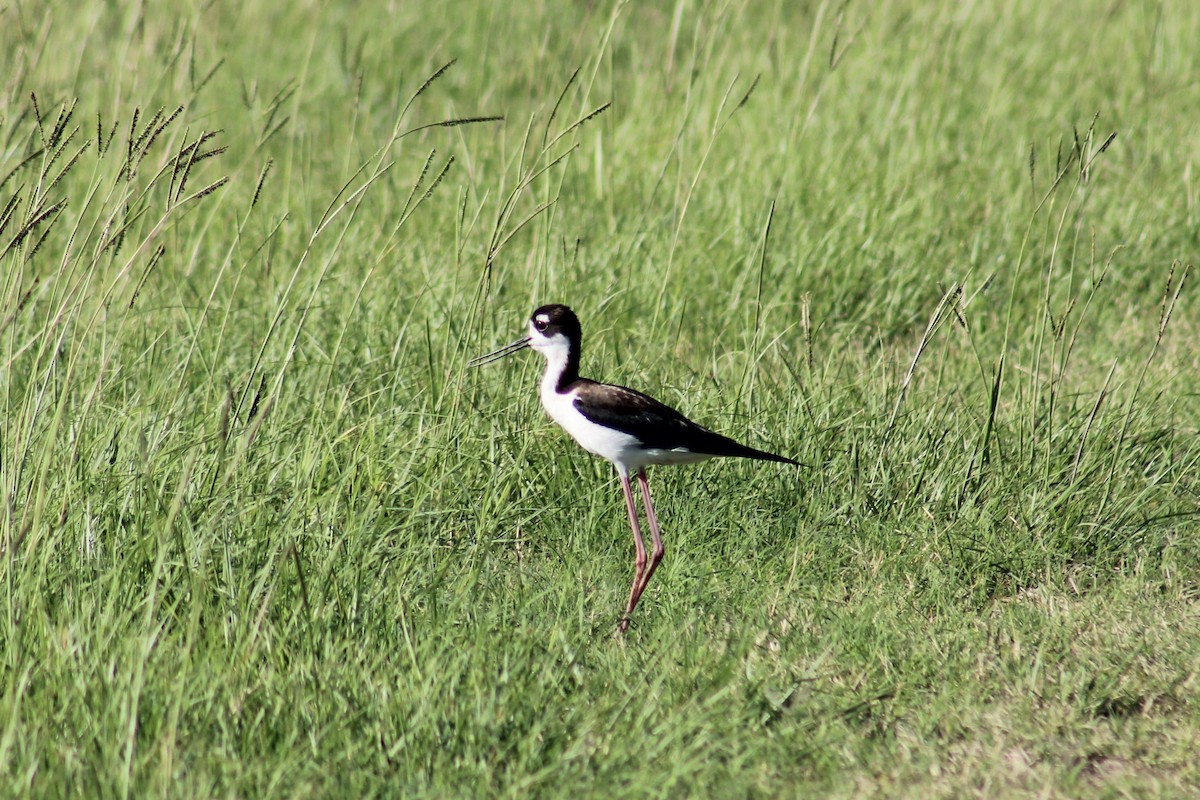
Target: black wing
x=656 y=425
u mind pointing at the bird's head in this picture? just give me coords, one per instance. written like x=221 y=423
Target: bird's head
x=554 y=331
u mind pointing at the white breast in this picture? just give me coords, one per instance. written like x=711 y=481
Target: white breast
x=623 y=450
x=612 y=445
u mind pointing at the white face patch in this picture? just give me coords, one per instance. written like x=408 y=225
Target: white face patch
x=543 y=343
x=543 y=318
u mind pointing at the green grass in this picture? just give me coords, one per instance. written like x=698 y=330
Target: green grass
x=263 y=535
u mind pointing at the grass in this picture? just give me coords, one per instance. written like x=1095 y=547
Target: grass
x=265 y=536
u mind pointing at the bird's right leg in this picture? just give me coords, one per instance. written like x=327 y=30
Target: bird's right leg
x=639 y=546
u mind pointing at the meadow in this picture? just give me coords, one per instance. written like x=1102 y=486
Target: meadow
x=263 y=534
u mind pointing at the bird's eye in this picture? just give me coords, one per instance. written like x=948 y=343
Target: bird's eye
x=540 y=323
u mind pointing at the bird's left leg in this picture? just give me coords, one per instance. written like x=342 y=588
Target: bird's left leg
x=639 y=562
x=656 y=554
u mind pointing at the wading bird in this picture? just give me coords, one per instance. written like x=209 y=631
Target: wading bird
x=626 y=428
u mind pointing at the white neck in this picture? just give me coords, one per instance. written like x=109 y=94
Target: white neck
x=555 y=354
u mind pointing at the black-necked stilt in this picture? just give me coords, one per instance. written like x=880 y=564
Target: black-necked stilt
x=625 y=427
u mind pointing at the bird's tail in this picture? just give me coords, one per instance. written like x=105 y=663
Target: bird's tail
x=763 y=455
x=720 y=445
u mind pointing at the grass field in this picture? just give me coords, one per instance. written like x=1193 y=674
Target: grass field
x=264 y=535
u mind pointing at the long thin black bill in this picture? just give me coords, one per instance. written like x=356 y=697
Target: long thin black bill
x=496 y=355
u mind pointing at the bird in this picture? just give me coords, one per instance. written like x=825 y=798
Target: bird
x=630 y=430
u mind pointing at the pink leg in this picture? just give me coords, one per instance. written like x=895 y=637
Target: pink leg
x=656 y=535
x=639 y=563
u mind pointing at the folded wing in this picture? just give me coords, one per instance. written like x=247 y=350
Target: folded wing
x=656 y=425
